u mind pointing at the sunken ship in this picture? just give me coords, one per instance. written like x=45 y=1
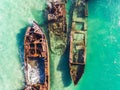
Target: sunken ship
x=57 y=26
x=78 y=36
x=36 y=59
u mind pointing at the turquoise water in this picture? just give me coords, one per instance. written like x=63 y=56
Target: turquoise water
x=102 y=71
x=103 y=49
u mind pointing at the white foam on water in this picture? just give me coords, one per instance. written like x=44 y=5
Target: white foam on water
x=33 y=75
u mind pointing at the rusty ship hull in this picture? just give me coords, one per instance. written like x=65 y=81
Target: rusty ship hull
x=57 y=26
x=78 y=35
x=36 y=59
x=77 y=55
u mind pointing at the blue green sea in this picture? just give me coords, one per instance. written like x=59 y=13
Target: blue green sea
x=102 y=70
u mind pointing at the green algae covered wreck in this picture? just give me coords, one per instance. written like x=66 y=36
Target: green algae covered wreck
x=57 y=26
x=78 y=36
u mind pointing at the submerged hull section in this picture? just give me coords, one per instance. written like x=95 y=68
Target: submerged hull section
x=36 y=59
x=78 y=36
x=57 y=26
x=77 y=55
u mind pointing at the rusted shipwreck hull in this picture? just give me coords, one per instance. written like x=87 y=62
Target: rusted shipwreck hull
x=78 y=36
x=77 y=55
x=57 y=26
x=36 y=59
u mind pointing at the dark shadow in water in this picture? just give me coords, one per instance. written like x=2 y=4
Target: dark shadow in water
x=64 y=68
x=40 y=16
x=70 y=7
x=20 y=44
x=64 y=60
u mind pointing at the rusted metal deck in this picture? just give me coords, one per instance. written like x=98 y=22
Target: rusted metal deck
x=77 y=57
x=36 y=59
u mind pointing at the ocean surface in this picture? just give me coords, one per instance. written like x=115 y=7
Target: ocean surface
x=102 y=70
